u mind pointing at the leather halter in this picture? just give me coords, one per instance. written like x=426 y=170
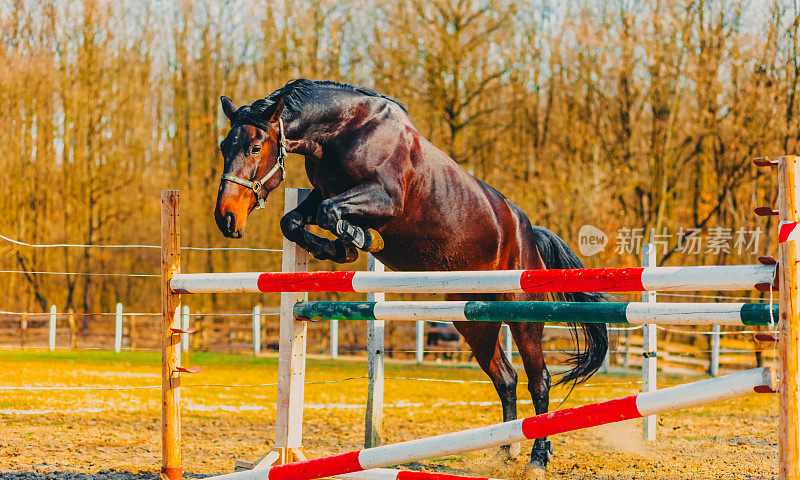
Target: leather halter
x=257 y=186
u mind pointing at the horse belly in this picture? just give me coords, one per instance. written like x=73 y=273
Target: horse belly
x=409 y=250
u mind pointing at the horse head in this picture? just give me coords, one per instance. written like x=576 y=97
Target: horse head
x=253 y=150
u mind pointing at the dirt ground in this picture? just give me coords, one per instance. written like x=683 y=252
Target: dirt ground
x=61 y=418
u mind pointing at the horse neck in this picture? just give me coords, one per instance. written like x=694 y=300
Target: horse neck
x=305 y=123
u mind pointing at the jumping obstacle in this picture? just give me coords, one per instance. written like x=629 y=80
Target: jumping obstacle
x=295 y=280
x=665 y=279
x=632 y=313
x=559 y=421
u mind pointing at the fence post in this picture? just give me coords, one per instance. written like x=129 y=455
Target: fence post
x=170 y=342
x=256 y=330
x=51 y=338
x=73 y=330
x=373 y=425
x=713 y=368
x=133 y=335
x=789 y=325
x=649 y=346
x=185 y=322
x=420 y=337
x=627 y=357
x=118 y=328
x=508 y=344
x=23 y=329
x=334 y=339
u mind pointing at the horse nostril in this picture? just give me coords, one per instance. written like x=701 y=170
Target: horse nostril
x=230 y=224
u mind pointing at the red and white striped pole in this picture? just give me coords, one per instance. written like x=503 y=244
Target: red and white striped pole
x=585 y=416
x=390 y=474
x=673 y=279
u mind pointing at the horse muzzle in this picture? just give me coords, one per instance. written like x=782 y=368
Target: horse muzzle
x=227 y=225
x=234 y=203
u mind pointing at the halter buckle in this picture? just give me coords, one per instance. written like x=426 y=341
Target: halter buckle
x=257 y=188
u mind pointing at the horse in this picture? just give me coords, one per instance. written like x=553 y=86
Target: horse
x=379 y=186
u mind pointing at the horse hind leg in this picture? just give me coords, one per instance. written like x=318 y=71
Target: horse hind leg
x=483 y=340
x=528 y=337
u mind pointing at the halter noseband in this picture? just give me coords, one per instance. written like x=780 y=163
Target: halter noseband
x=257 y=186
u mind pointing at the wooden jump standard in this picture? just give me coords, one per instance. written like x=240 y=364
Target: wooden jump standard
x=633 y=313
x=789 y=325
x=559 y=421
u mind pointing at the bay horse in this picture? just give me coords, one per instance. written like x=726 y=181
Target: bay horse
x=380 y=186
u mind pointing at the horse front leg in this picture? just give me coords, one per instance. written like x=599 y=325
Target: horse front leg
x=354 y=215
x=293 y=227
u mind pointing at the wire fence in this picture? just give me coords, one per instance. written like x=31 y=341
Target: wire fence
x=417 y=350
x=36 y=388
x=78 y=245
x=115 y=246
x=134 y=314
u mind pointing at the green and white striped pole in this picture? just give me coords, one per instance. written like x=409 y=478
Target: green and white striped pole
x=632 y=313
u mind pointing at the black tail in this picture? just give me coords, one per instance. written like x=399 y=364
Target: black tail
x=586 y=361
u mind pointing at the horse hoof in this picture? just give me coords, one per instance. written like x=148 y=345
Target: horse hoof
x=535 y=471
x=345 y=253
x=513 y=450
x=374 y=241
x=509 y=452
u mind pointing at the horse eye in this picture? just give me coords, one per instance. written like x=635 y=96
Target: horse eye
x=255 y=149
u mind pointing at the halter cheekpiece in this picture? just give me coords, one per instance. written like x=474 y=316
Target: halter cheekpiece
x=257 y=186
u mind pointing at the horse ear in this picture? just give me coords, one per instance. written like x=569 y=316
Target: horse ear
x=228 y=107
x=278 y=110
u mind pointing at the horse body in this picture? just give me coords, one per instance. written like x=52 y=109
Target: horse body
x=380 y=185
x=414 y=186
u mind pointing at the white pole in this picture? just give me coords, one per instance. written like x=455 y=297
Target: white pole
x=256 y=330
x=334 y=339
x=185 y=322
x=420 y=341
x=714 y=368
x=649 y=348
x=118 y=329
x=373 y=425
x=508 y=345
x=52 y=337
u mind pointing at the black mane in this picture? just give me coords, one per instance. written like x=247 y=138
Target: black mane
x=294 y=95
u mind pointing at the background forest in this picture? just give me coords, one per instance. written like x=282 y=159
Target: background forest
x=640 y=118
